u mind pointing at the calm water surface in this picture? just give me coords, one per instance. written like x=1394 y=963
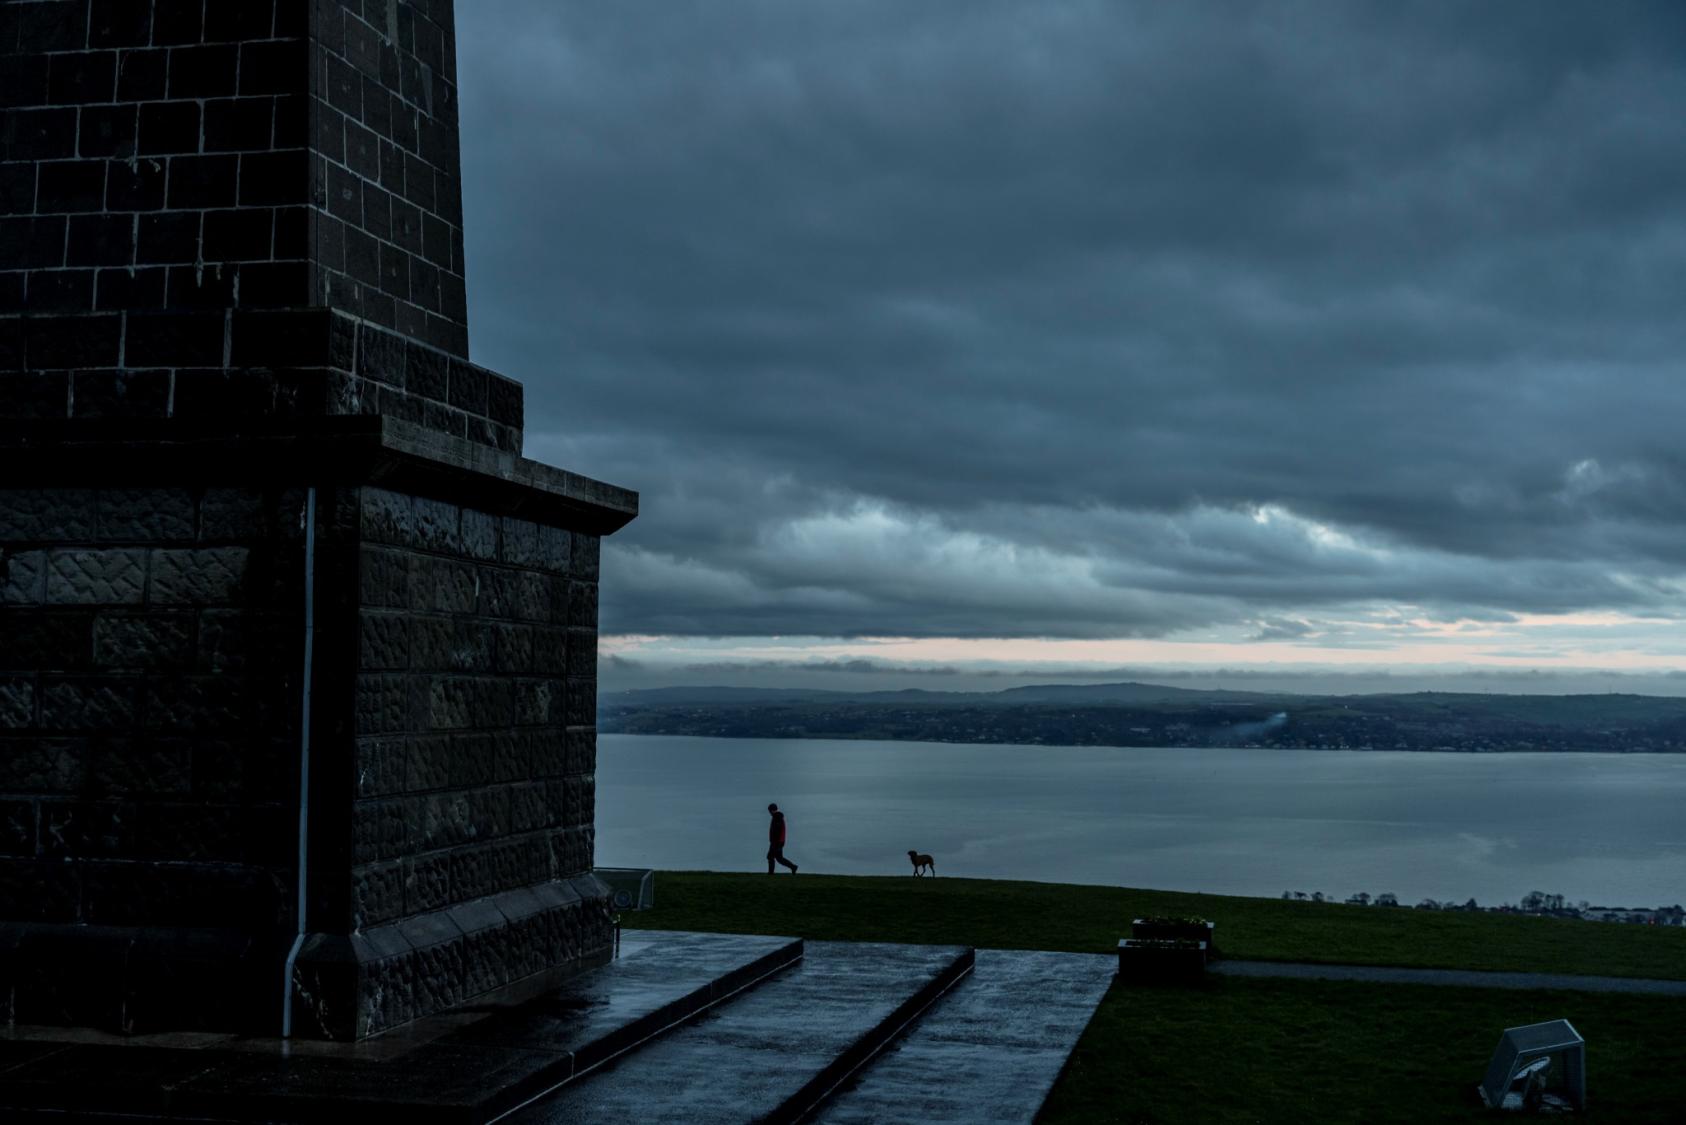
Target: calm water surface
x=1607 y=828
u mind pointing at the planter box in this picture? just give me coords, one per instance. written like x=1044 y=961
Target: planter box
x=1177 y=931
x=1152 y=961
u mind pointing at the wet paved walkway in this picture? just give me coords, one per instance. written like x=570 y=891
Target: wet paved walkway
x=1457 y=978
x=989 y=1051
x=774 y=1051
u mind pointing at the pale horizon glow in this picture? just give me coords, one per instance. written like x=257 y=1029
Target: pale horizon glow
x=1023 y=652
x=1441 y=661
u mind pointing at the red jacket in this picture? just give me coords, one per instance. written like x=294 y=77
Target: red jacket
x=775 y=830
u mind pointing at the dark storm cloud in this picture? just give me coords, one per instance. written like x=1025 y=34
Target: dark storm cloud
x=1093 y=319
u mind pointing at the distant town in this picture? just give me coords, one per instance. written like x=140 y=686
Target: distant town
x=1150 y=715
x=1535 y=903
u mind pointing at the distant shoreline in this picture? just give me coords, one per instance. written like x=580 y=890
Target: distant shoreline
x=1117 y=746
x=1134 y=714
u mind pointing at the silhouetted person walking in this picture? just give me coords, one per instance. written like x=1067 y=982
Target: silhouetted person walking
x=775 y=841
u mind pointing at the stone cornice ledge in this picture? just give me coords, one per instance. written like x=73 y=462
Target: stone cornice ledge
x=361 y=449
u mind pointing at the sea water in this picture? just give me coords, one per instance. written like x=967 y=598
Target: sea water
x=1607 y=828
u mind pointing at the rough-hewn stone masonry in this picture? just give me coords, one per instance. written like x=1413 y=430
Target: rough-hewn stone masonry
x=274 y=578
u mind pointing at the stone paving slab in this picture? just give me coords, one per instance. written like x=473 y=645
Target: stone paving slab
x=772 y=1054
x=14 y=1054
x=1456 y=978
x=470 y=1072
x=986 y=1053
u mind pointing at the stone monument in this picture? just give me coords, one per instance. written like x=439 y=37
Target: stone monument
x=297 y=652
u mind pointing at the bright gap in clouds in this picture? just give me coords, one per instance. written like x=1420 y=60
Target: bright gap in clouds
x=1126 y=589
x=865 y=559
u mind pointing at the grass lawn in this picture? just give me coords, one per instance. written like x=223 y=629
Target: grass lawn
x=1243 y=1050
x=1238 y=1050
x=995 y=914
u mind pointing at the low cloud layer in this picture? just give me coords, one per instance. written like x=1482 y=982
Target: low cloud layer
x=1084 y=320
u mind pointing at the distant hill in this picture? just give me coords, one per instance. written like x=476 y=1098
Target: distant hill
x=1123 y=693
x=1044 y=693
x=1138 y=714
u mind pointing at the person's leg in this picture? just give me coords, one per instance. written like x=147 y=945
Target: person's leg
x=772 y=854
x=786 y=862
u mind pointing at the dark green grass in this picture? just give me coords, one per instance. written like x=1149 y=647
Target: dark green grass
x=1000 y=915
x=995 y=914
x=1239 y=1050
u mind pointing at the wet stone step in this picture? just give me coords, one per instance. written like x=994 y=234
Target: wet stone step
x=464 y=1068
x=772 y=1054
x=989 y=1052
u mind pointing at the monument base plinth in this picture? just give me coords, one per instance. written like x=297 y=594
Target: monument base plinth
x=500 y=950
x=338 y=667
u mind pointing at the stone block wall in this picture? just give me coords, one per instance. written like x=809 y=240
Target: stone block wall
x=154 y=154
x=149 y=683
x=474 y=726
x=244 y=154
x=231 y=280
x=454 y=760
x=151 y=713
x=235 y=365
x=385 y=171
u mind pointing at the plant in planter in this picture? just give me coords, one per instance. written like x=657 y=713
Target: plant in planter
x=1161 y=960
x=1167 y=927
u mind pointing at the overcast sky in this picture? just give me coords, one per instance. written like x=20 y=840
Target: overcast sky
x=1059 y=338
